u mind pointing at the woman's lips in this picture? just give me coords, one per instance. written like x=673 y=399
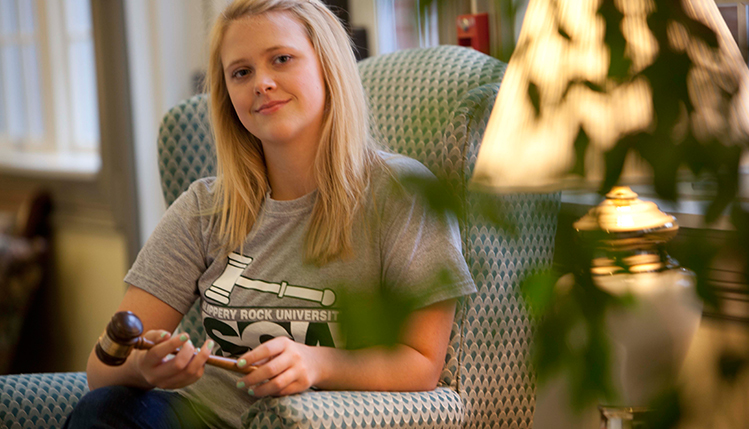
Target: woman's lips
x=271 y=107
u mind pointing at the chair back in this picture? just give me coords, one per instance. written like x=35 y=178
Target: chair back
x=432 y=105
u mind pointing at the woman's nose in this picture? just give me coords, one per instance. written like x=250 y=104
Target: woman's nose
x=264 y=83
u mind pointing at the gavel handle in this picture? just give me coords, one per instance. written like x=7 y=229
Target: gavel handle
x=219 y=361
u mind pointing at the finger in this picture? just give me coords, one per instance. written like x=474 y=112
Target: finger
x=198 y=361
x=295 y=387
x=157 y=336
x=195 y=367
x=264 y=352
x=183 y=358
x=276 y=385
x=157 y=354
x=209 y=344
x=270 y=369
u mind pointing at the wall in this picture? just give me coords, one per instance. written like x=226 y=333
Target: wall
x=89 y=258
x=90 y=263
x=362 y=14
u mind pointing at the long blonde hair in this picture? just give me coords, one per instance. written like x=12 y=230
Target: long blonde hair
x=346 y=154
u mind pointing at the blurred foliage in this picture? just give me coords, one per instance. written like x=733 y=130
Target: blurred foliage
x=667 y=410
x=565 y=302
x=377 y=318
x=443 y=196
x=374 y=319
x=713 y=160
x=731 y=364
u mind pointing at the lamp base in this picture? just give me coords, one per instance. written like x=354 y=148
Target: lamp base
x=650 y=341
x=623 y=417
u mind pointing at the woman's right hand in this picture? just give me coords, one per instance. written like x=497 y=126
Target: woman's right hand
x=160 y=370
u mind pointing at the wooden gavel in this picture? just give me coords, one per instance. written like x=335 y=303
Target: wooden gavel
x=124 y=333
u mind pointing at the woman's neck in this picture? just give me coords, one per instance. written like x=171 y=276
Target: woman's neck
x=290 y=170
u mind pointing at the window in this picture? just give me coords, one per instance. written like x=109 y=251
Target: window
x=400 y=26
x=48 y=108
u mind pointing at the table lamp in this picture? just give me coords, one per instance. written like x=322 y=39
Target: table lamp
x=563 y=106
x=557 y=83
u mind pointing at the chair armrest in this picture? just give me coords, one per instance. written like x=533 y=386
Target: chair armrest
x=39 y=400
x=440 y=408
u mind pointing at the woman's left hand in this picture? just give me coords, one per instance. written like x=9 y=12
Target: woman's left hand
x=284 y=367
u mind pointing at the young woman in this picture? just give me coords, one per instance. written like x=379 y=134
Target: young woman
x=302 y=213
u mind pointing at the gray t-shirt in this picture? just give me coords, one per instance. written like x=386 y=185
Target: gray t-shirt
x=402 y=251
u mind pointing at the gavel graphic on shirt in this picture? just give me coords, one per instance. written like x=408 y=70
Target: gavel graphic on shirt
x=124 y=333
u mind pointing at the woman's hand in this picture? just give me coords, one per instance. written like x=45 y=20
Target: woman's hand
x=159 y=370
x=284 y=367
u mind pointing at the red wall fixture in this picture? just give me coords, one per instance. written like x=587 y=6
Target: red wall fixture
x=473 y=31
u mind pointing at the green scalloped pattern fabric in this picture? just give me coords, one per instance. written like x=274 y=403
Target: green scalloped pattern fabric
x=440 y=408
x=192 y=324
x=31 y=401
x=496 y=383
x=413 y=94
x=185 y=147
x=499 y=386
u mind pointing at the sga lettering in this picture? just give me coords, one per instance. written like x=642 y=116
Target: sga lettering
x=236 y=338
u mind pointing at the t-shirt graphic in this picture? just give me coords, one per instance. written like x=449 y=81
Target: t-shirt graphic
x=237 y=329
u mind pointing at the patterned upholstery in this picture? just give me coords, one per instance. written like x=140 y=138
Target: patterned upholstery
x=39 y=400
x=441 y=408
x=430 y=104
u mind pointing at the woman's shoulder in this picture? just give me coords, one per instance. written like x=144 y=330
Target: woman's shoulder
x=203 y=186
x=200 y=193
x=396 y=166
x=398 y=178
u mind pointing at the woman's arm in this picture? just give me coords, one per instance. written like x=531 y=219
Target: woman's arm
x=414 y=364
x=147 y=368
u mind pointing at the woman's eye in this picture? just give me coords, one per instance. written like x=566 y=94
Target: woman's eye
x=240 y=73
x=281 y=59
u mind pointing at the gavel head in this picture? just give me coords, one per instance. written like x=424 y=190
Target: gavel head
x=115 y=344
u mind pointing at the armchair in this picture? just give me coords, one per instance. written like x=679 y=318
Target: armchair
x=432 y=105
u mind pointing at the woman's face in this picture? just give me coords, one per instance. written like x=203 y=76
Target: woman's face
x=274 y=78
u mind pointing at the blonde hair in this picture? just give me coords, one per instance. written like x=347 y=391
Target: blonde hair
x=346 y=154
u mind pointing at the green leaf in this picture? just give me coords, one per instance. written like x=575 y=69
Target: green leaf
x=740 y=220
x=728 y=181
x=538 y=291
x=693 y=154
x=581 y=148
x=491 y=209
x=535 y=97
x=702 y=32
x=615 y=158
x=668 y=80
x=593 y=87
x=373 y=318
x=619 y=63
x=437 y=192
x=665 y=158
x=697 y=254
x=731 y=365
x=666 y=411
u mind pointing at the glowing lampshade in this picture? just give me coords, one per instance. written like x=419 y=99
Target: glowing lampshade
x=557 y=84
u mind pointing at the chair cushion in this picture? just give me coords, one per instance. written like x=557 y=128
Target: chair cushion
x=441 y=408
x=30 y=401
